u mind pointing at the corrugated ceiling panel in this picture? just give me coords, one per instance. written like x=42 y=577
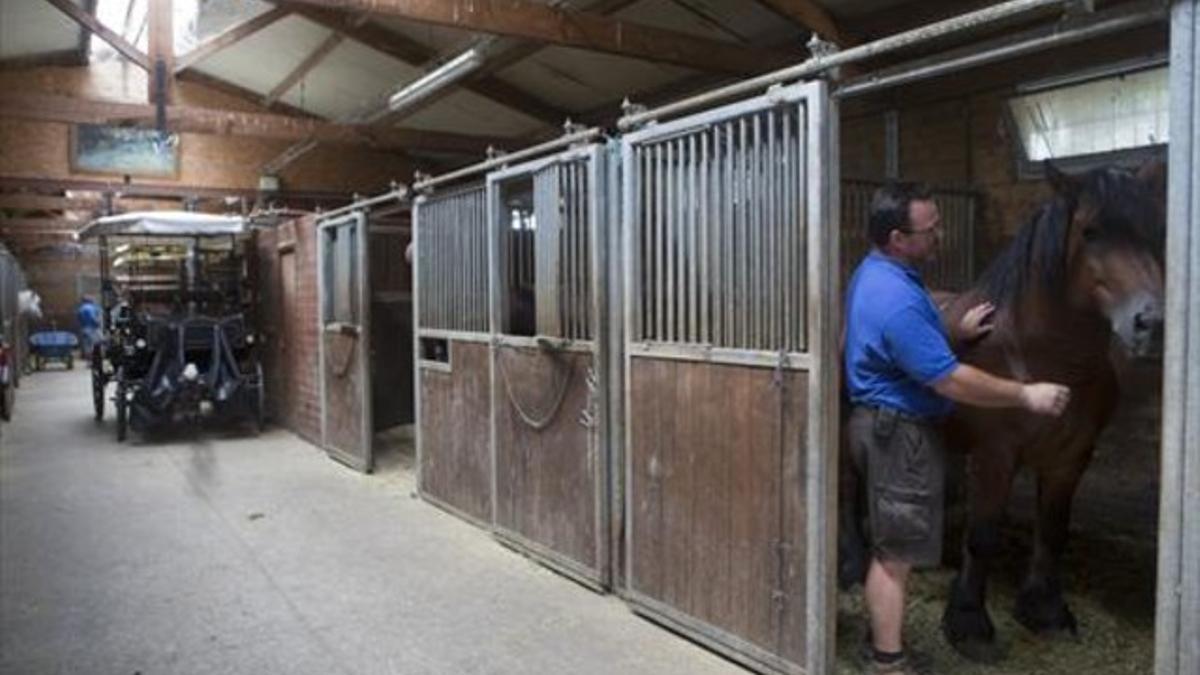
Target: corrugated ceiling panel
x=468 y=113
x=34 y=27
x=351 y=79
x=578 y=80
x=264 y=59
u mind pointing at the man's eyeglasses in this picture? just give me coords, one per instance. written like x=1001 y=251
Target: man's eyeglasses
x=929 y=230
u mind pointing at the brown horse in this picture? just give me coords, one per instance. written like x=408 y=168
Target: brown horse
x=1086 y=268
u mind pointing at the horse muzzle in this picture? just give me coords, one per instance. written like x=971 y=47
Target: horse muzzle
x=1140 y=328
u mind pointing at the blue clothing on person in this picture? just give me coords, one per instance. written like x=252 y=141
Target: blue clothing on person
x=896 y=347
x=88 y=315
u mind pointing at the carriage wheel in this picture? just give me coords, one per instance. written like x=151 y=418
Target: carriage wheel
x=98 y=394
x=99 y=382
x=122 y=414
x=260 y=403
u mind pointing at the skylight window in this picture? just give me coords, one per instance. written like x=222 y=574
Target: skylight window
x=130 y=20
x=1102 y=118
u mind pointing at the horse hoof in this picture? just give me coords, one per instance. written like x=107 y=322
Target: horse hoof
x=968 y=628
x=1043 y=611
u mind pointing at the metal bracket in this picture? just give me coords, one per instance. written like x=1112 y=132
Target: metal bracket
x=628 y=108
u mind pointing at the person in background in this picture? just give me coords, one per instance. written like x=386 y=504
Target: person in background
x=88 y=316
x=902 y=378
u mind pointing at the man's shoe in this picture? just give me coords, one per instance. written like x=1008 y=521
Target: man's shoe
x=904 y=666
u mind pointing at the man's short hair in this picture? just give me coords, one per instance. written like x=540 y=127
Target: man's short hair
x=889 y=209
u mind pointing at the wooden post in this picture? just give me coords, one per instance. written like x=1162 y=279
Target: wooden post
x=162 y=57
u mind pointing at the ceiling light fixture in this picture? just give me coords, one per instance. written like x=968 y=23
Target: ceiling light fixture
x=443 y=76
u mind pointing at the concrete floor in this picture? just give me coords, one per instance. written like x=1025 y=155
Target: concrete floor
x=230 y=554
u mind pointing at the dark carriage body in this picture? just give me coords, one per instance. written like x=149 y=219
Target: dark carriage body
x=180 y=336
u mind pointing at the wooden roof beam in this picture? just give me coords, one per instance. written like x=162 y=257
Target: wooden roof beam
x=811 y=16
x=54 y=108
x=414 y=53
x=85 y=36
x=582 y=30
x=91 y=23
x=229 y=37
x=304 y=68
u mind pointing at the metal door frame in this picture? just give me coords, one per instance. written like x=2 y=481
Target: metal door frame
x=358 y=220
x=820 y=361
x=594 y=155
x=1177 y=605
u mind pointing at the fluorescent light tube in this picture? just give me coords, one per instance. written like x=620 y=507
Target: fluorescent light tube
x=443 y=76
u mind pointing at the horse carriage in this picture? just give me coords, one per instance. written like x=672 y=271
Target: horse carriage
x=179 y=336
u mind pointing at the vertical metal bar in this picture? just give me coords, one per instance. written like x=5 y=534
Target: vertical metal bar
x=753 y=204
x=729 y=227
x=660 y=246
x=638 y=227
x=788 y=228
x=745 y=339
x=804 y=186
x=669 y=217
x=702 y=204
x=694 y=207
x=772 y=196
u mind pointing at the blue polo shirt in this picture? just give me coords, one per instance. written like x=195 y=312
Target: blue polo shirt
x=896 y=347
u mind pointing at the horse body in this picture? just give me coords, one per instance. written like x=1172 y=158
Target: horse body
x=1087 y=268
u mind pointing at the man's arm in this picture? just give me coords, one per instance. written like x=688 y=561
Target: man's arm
x=971 y=386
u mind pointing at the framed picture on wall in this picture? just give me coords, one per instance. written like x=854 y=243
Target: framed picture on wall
x=97 y=148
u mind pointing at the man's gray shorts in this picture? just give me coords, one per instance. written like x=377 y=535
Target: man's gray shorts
x=903 y=464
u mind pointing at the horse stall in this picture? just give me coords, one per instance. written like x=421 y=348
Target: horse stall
x=337 y=299
x=513 y=358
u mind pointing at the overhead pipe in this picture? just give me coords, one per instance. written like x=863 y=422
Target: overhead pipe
x=568 y=139
x=1038 y=39
x=397 y=193
x=823 y=62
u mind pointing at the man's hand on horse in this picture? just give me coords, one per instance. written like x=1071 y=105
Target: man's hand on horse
x=1045 y=398
x=975 y=323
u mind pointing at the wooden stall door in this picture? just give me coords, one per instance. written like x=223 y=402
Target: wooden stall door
x=728 y=220
x=551 y=462
x=453 y=359
x=344 y=335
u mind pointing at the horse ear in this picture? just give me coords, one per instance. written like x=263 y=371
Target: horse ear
x=1153 y=174
x=1063 y=184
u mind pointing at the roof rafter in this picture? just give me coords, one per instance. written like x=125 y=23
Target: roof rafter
x=415 y=54
x=583 y=30
x=93 y=24
x=49 y=107
x=311 y=61
x=229 y=37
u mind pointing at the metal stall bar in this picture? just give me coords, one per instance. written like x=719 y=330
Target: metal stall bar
x=1177 y=626
x=819 y=64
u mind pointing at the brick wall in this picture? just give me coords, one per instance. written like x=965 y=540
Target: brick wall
x=34 y=149
x=289 y=311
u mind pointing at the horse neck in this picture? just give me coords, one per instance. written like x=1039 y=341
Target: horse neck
x=1049 y=336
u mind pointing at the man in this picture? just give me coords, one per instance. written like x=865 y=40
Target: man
x=88 y=316
x=902 y=377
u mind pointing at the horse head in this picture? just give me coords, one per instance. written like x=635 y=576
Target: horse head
x=1113 y=249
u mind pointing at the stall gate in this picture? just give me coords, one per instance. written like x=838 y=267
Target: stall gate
x=548 y=361
x=730 y=248
x=453 y=353
x=343 y=339
x=954 y=269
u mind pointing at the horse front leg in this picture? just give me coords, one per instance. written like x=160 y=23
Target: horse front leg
x=1040 y=604
x=966 y=623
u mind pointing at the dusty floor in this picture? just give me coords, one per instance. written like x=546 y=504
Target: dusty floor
x=232 y=554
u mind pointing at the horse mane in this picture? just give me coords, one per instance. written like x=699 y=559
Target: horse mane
x=1036 y=257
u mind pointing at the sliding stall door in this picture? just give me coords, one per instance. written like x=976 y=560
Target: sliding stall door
x=550 y=414
x=729 y=225
x=344 y=340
